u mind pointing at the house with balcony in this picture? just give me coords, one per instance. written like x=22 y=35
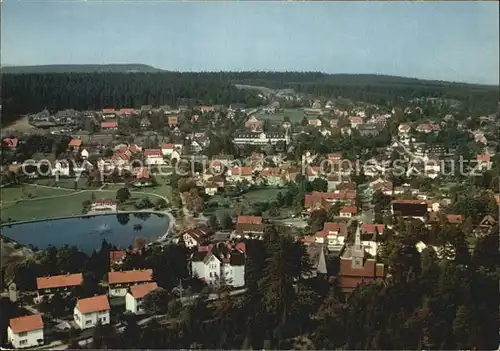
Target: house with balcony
x=334 y=235
x=64 y=284
x=89 y=311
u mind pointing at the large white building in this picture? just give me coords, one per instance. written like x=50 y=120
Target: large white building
x=258 y=138
x=89 y=311
x=25 y=331
x=219 y=265
x=133 y=299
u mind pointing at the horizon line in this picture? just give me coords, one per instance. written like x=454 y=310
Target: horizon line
x=2 y=65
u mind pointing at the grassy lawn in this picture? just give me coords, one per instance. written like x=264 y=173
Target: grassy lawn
x=296 y=115
x=48 y=208
x=10 y=194
x=68 y=183
x=261 y=195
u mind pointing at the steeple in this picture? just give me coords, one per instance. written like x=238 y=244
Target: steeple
x=357 y=251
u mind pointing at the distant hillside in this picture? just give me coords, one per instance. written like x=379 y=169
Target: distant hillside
x=111 y=68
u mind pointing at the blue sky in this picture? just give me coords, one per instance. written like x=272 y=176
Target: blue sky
x=456 y=41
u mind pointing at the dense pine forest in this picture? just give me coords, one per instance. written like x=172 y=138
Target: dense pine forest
x=32 y=92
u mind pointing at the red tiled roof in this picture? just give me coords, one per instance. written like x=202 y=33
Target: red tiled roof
x=172 y=120
x=59 y=281
x=321 y=234
x=108 y=110
x=368 y=271
x=117 y=256
x=340 y=228
x=93 y=304
x=110 y=124
x=139 y=291
x=335 y=156
x=271 y=172
x=143 y=173
x=483 y=158
x=10 y=142
x=242 y=247
x=249 y=219
x=372 y=228
x=355 y=119
x=455 y=218
x=26 y=323
x=416 y=202
x=153 y=152
x=75 y=142
x=349 y=209
x=104 y=201
x=241 y=171
x=135 y=276
x=127 y=111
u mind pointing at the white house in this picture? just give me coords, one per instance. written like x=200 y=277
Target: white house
x=196 y=236
x=61 y=168
x=154 y=157
x=25 y=331
x=335 y=234
x=348 y=211
x=219 y=265
x=84 y=154
x=89 y=311
x=103 y=205
x=133 y=299
x=211 y=189
x=119 y=282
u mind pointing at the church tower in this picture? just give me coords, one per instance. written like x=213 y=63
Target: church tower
x=357 y=251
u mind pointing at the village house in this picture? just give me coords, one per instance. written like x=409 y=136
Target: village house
x=60 y=168
x=89 y=311
x=335 y=235
x=211 y=188
x=219 y=265
x=318 y=200
x=409 y=208
x=440 y=218
x=103 y=205
x=273 y=176
x=125 y=112
x=483 y=162
x=11 y=143
x=26 y=331
x=154 y=157
x=355 y=121
x=249 y=227
x=142 y=177
x=172 y=120
x=119 y=282
x=107 y=126
x=197 y=236
x=75 y=144
x=356 y=268
x=348 y=211
x=432 y=167
x=315 y=122
x=334 y=123
x=370 y=237
x=108 y=113
x=63 y=284
x=253 y=124
x=134 y=298
x=238 y=174
x=403 y=130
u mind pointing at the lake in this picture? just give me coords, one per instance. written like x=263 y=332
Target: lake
x=87 y=233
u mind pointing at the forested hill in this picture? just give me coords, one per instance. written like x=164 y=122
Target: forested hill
x=116 y=68
x=32 y=92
